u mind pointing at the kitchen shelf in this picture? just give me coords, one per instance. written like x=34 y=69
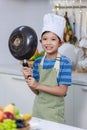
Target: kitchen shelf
x=65 y=7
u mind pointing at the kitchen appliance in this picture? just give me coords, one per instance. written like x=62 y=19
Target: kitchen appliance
x=23 y=43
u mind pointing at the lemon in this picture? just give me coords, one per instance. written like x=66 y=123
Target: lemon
x=26 y=117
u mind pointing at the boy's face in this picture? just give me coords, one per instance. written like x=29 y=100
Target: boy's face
x=50 y=42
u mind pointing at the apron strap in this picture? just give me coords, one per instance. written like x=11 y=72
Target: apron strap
x=42 y=61
x=57 y=63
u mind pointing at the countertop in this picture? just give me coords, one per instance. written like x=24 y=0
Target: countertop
x=79 y=78
x=40 y=124
x=16 y=69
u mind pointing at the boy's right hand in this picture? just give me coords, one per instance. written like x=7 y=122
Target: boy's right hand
x=27 y=71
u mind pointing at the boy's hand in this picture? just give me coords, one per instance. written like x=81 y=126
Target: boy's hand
x=32 y=82
x=27 y=72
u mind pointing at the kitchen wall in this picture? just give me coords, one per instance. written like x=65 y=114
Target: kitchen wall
x=14 y=13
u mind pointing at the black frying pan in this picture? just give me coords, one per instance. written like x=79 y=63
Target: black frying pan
x=23 y=42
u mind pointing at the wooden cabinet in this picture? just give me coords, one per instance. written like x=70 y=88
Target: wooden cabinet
x=13 y=89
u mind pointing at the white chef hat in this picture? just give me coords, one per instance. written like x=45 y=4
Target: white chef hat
x=54 y=23
x=83 y=42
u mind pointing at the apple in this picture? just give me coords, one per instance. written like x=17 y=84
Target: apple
x=1 y=116
x=8 y=115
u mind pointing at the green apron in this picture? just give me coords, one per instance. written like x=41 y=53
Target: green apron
x=47 y=106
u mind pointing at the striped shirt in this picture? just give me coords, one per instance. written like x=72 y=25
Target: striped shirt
x=65 y=72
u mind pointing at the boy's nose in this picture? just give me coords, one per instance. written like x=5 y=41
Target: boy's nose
x=48 y=42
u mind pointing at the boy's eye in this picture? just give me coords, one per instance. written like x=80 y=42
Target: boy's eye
x=44 y=38
x=53 y=39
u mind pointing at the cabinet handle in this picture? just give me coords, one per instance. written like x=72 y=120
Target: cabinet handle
x=18 y=78
x=84 y=88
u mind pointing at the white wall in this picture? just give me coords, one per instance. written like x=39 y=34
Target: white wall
x=14 y=13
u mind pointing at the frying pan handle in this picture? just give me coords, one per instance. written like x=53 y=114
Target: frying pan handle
x=25 y=63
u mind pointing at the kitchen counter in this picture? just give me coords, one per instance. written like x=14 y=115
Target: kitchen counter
x=79 y=78
x=40 y=124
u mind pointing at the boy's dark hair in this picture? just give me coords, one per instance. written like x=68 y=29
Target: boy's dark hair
x=49 y=31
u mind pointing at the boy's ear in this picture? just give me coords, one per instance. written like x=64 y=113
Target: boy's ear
x=40 y=41
x=61 y=43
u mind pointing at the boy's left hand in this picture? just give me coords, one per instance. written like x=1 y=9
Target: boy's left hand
x=32 y=83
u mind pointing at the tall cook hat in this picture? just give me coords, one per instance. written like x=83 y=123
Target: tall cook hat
x=54 y=23
x=83 y=42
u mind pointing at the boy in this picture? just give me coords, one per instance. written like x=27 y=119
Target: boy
x=51 y=74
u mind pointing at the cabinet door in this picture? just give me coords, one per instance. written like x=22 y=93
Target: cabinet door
x=13 y=89
x=69 y=106
x=80 y=106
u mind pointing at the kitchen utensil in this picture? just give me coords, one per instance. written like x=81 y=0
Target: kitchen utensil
x=74 y=38
x=80 y=31
x=68 y=29
x=86 y=23
x=23 y=43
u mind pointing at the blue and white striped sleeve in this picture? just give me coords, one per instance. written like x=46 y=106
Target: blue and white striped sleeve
x=35 y=69
x=65 y=74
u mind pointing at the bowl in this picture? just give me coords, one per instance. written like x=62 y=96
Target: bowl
x=25 y=128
